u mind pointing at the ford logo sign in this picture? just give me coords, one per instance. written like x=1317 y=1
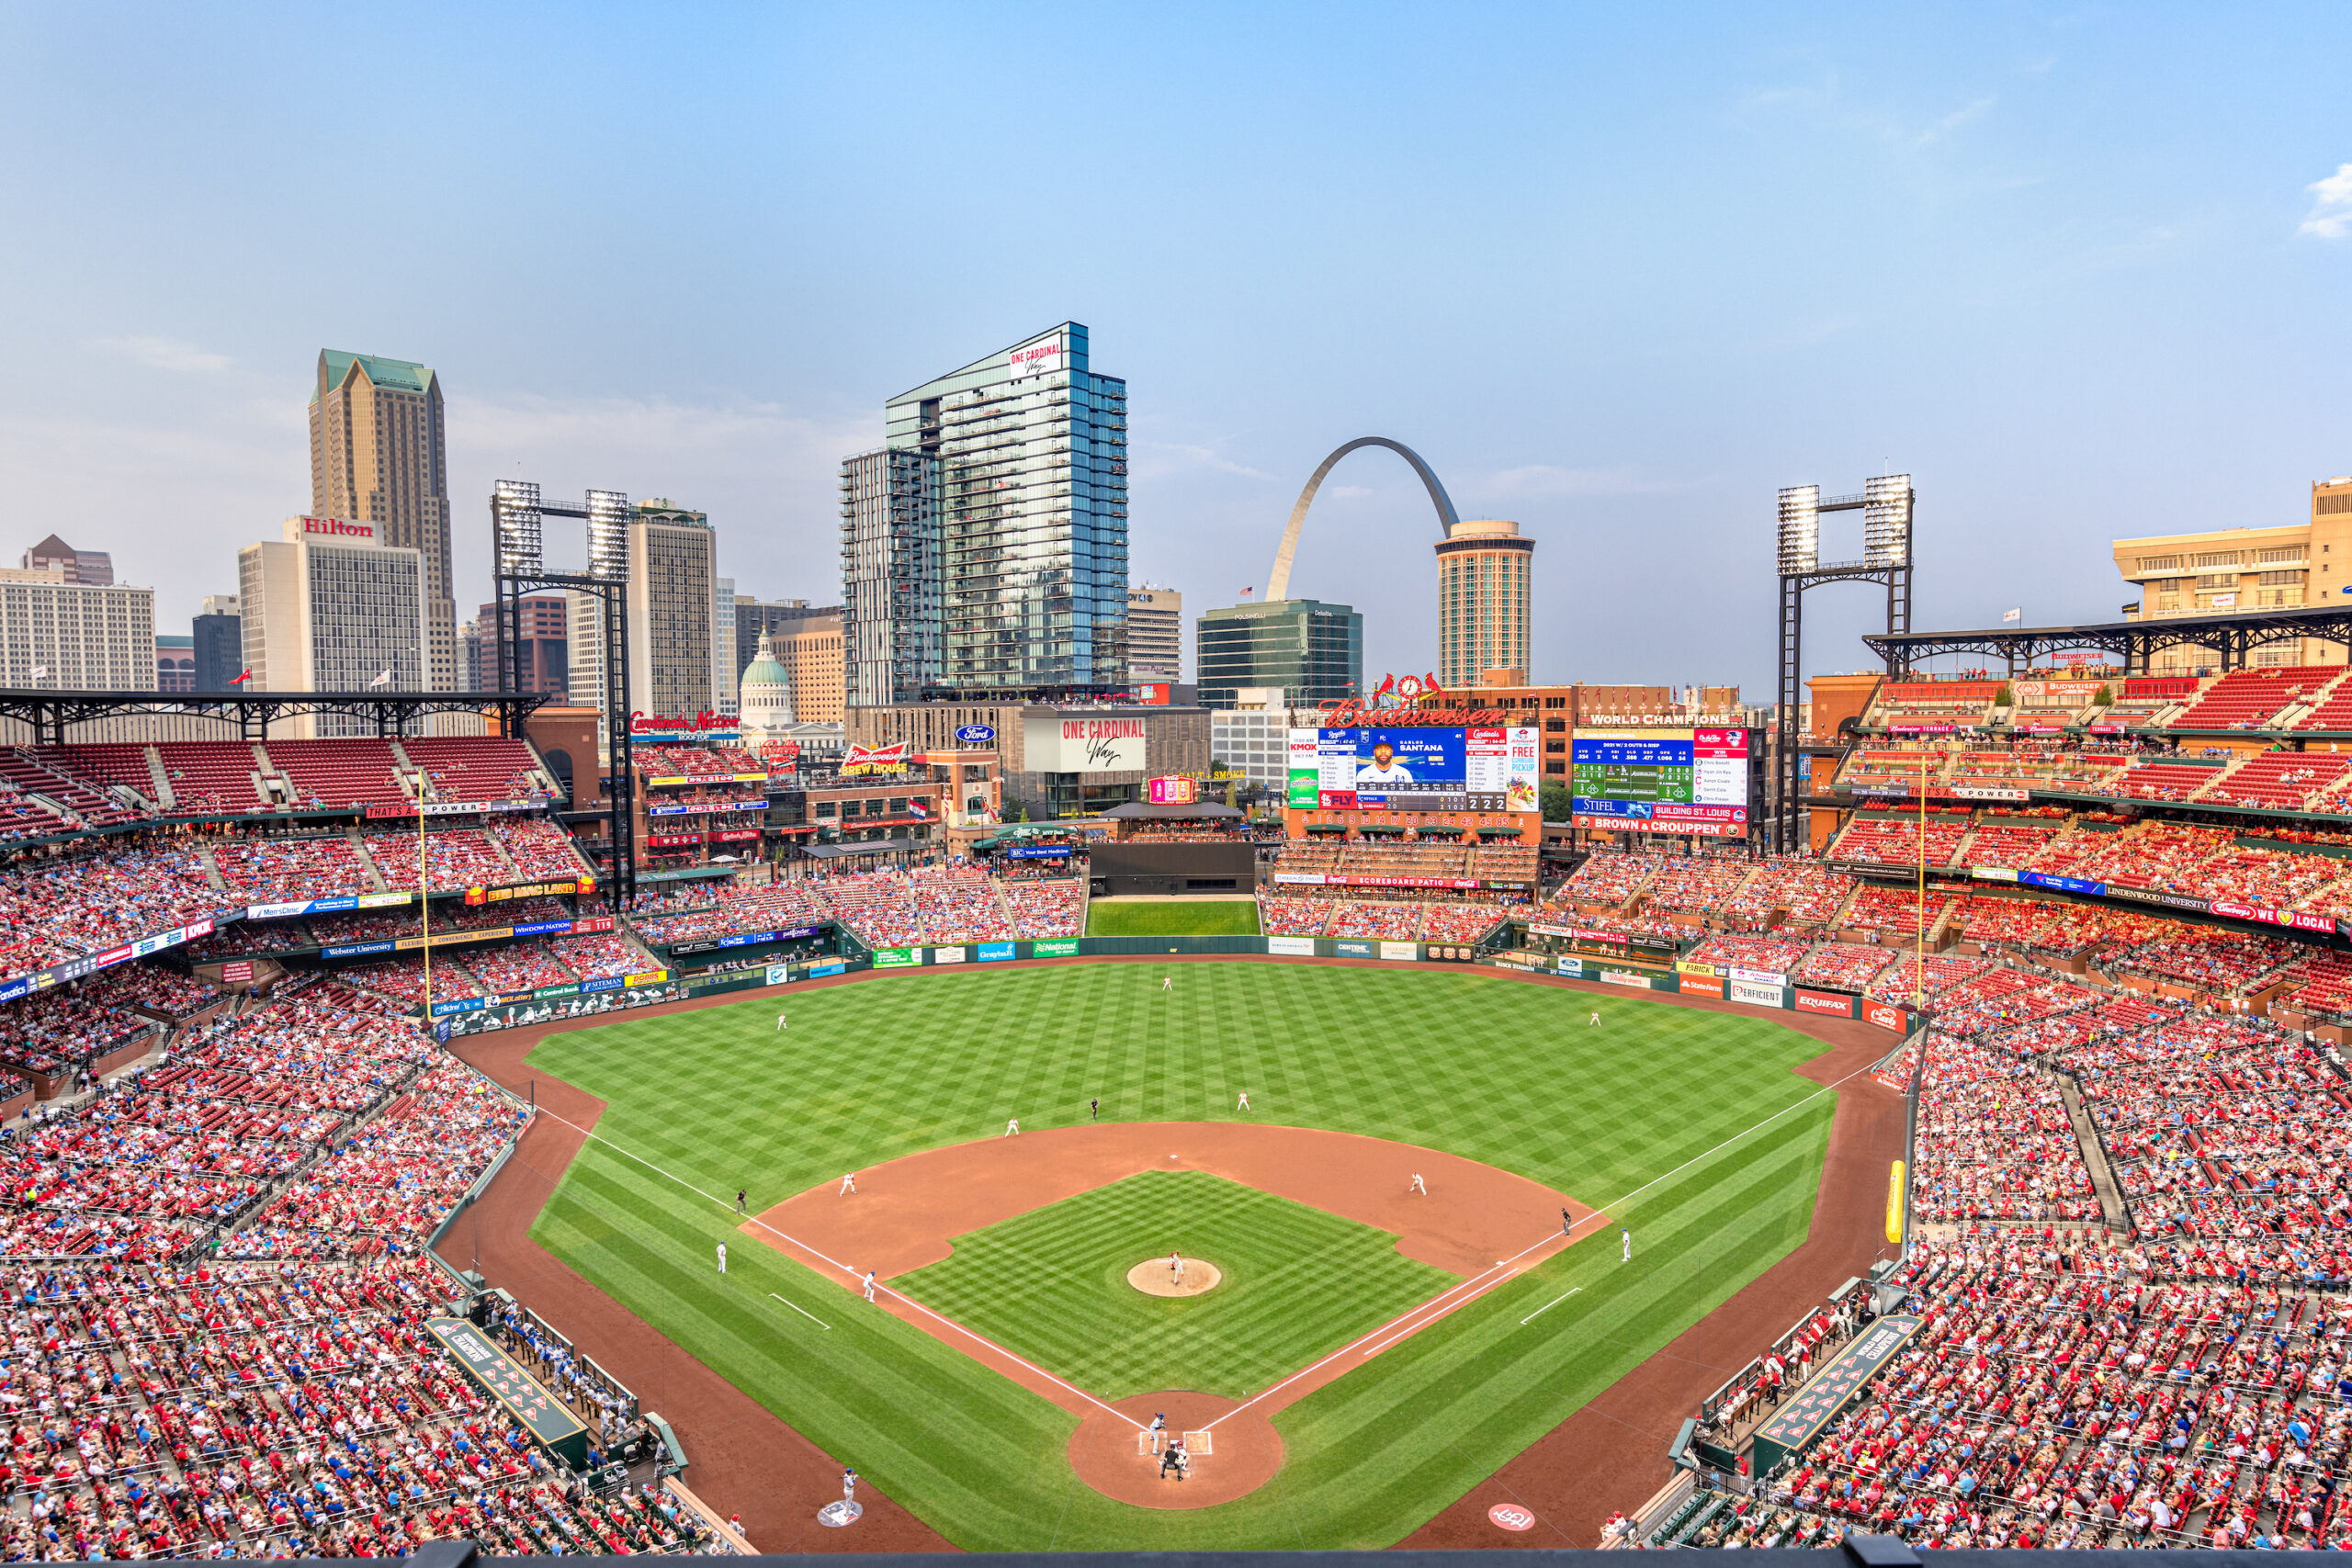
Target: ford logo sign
x=977 y=735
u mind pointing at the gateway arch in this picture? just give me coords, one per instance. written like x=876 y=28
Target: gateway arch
x=1278 y=583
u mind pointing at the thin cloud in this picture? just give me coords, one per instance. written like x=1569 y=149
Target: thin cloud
x=1546 y=482
x=1168 y=457
x=164 y=353
x=2331 y=214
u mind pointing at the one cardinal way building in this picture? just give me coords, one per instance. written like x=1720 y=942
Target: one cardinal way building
x=332 y=608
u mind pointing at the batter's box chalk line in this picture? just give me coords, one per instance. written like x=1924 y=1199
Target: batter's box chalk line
x=1200 y=1442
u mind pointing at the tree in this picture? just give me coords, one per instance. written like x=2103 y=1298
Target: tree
x=1554 y=797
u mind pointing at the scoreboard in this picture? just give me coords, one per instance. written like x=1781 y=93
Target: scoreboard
x=1663 y=781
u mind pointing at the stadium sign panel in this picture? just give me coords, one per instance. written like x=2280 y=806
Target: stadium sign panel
x=1061 y=947
x=522 y=1395
x=977 y=735
x=1056 y=742
x=1175 y=790
x=1693 y=782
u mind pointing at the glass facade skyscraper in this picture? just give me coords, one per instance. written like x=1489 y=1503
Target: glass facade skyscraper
x=891 y=626
x=1030 y=448
x=1312 y=651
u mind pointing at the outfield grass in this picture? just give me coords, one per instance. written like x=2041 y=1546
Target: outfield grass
x=1173 y=916
x=1052 y=1285
x=1476 y=1064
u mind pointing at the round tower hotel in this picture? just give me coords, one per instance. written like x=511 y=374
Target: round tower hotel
x=1483 y=604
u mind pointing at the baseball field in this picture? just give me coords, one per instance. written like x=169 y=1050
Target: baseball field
x=1429 y=1367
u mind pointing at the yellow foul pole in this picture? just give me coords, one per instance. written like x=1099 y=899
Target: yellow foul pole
x=424 y=914
x=1919 y=913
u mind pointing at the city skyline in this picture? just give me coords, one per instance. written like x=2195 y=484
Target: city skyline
x=2079 y=274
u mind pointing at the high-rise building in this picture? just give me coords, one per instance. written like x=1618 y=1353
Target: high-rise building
x=893 y=564
x=92 y=567
x=811 y=651
x=1155 y=633
x=672 y=583
x=1483 y=604
x=1004 y=484
x=543 y=655
x=779 y=618
x=377 y=456
x=725 y=673
x=174 y=662
x=1310 y=651
x=57 y=635
x=219 y=644
x=2245 y=569
x=331 y=608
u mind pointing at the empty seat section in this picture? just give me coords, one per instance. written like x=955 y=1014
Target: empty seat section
x=475 y=767
x=338 y=773
x=211 y=775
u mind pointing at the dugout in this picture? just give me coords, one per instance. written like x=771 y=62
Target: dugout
x=1124 y=866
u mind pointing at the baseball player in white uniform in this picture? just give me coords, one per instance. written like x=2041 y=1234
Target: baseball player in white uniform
x=1175 y=1268
x=1167 y=982
x=1593 y=1022
x=849 y=1185
x=779 y=1023
x=1013 y=1127
x=1243 y=1104
x=869 y=1284
x=1629 y=1248
x=722 y=1257
x=1419 y=1185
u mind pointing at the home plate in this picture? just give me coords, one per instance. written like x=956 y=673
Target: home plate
x=835 y=1514
x=1200 y=1442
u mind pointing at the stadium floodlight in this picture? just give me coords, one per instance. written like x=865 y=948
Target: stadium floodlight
x=514 y=526
x=1886 y=520
x=608 y=520
x=1800 y=529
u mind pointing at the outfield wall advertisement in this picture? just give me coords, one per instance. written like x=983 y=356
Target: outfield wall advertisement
x=1408 y=768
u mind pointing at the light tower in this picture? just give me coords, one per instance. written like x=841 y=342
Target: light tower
x=1885 y=505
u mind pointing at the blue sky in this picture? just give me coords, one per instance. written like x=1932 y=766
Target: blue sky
x=1617 y=273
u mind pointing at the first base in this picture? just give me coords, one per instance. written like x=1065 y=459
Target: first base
x=835 y=1514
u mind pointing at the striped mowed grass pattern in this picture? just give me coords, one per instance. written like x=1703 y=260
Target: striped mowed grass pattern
x=1052 y=1285
x=1480 y=1064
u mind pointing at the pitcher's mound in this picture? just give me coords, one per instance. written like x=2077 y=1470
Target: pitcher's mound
x=1153 y=1278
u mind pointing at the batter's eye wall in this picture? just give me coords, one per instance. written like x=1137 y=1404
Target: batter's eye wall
x=1125 y=869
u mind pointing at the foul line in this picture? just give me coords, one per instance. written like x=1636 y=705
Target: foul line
x=845 y=1268
x=1547 y=1306
x=803 y=1312
x=1374 y=1350
x=1567 y=1232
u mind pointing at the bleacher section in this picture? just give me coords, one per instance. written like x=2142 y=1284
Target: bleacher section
x=338 y=773
x=2251 y=699
x=470 y=768
x=211 y=775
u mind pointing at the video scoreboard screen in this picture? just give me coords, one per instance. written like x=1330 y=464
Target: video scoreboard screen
x=1662 y=781
x=1409 y=769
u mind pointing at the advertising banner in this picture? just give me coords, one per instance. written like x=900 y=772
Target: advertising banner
x=1755 y=995
x=896 y=958
x=976 y=736
x=2167 y=901
x=243 y=969
x=1698 y=985
x=1414 y=769
x=1571 y=968
x=2051 y=692
x=454 y=808
x=1992 y=874
x=1684 y=966
x=947 y=955
x=1832 y=1003
x=1757 y=977
x=710 y=808
x=1396 y=952
x=1883 y=1015
x=1039 y=851
x=1291 y=946
x=671 y=780
x=651 y=977
x=1059 y=947
x=2287 y=918
x=741 y=939
x=993 y=952
x=778 y=973
x=1625 y=977
x=1056 y=742
x=1176 y=790
x=2062 y=883
x=876 y=759
x=1349 y=949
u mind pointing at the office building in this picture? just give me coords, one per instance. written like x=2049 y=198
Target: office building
x=541 y=656
x=1252 y=737
x=810 y=652
x=777 y=617
x=893 y=563
x=471 y=665
x=672 y=583
x=1155 y=635
x=2243 y=569
x=1484 y=601
x=90 y=567
x=174 y=662
x=1010 y=474
x=377 y=456
x=725 y=672
x=330 y=607
x=219 y=644
x=1310 y=651
x=57 y=635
